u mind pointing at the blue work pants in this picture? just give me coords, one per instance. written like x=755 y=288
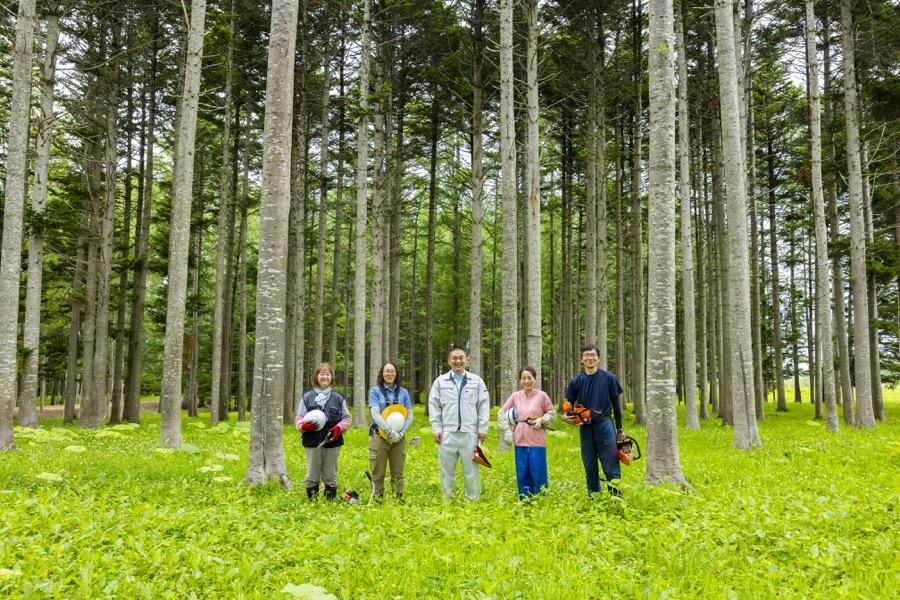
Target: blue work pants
x=531 y=470
x=598 y=442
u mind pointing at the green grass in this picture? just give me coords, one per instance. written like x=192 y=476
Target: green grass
x=90 y=514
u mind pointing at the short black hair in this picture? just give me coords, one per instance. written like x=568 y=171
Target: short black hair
x=455 y=347
x=588 y=347
x=380 y=378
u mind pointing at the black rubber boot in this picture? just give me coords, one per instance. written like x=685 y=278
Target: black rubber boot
x=330 y=492
x=614 y=492
x=312 y=492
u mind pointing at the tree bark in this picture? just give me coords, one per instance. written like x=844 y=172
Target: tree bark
x=778 y=360
x=509 y=321
x=319 y=317
x=242 y=271
x=639 y=375
x=266 y=460
x=131 y=410
x=224 y=201
x=183 y=174
x=32 y=325
x=533 y=333
x=362 y=160
x=746 y=435
x=662 y=429
x=865 y=416
x=475 y=334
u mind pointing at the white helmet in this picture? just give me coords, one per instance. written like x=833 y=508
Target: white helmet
x=512 y=416
x=315 y=416
x=395 y=421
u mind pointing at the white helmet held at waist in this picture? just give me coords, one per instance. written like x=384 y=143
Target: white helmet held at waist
x=512 y=416
x=315 y=416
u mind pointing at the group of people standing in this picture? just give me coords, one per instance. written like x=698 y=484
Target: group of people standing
x=458 y=411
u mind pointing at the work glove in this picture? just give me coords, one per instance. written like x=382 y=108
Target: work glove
x=536 y=423
x=307 y=426
x=335 y=433
x=394 y=436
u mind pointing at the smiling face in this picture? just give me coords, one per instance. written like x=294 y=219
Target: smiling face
x=590 y=360
x=458 y=361
x=324 y=378
x=526 y=380
x=389 y=374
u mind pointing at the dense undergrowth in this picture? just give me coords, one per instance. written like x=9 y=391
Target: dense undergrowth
x=106 y=513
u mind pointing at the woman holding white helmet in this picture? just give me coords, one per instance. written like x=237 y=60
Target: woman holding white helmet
x=392 y=416
x=526 y=414
x=322 y=417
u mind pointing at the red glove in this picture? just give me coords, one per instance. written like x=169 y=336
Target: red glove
x=307 y=426
x=335 y=432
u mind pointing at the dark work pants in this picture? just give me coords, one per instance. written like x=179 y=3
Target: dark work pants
x=598 y=442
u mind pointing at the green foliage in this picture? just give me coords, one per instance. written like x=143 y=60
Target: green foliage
x=107 y=513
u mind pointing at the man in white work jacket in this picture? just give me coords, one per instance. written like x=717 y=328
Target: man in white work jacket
x=458 y=408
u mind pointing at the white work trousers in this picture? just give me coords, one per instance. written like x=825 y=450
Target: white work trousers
x=458 y=445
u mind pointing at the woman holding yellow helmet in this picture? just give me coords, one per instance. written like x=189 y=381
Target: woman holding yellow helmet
x=392 y=416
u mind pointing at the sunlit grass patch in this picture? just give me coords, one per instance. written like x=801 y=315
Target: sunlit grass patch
x=92 y=514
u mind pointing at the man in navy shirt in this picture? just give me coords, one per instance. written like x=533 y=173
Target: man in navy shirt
x=597 y=390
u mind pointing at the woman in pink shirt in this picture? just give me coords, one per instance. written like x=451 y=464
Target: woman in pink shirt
x=530 y=412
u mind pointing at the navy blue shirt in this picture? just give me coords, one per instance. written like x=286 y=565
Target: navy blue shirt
x=597 y=392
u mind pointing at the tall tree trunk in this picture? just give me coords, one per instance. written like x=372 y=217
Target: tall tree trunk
x=844 y=385
x=746 y=435
x=874 y=354
x=335 y=302
x=319 y=318
x=429 y=260
x=599 y=150
x=119 y=356
x=701 y=287
x=477 y=186
x=131 y=410
x=687 y=254
x=192 y=389
x=75 y=322
x=32 y=324
x=621 y=361
x=865 y=416
x=533 y=334
x=509 y=322
x=266 y=460
x=724 y=405
x=778 y=360
x=378 y=220
x=14 y=206
x=662 y=428
x=96 y=412
x=219 y=315
x=242 y=277
x=295 y=331
x=591 y=185
x=182 y=178
x=362 y=160
x=792 y=308
x=639 y=346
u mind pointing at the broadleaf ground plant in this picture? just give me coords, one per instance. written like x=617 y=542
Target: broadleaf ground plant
x=811 y=514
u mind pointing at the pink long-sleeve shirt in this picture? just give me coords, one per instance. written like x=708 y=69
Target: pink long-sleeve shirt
x=534 y=406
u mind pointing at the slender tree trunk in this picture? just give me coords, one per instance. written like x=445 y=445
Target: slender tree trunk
x=266 y=460
x=687 y=255
x=429 y=260
x=509 y=322
x=746 y=435
x=662 y=429
x=701 y=287
x=32 y=324
x=591 y=187
x=131 y=411
x=170 y=393
x=295 y=330
x=637 y=253
x=477 y=187
x=335 y=302
x=362 y=160
x=75 y=323
x=778 y=360
x=242 y=285
x=533 y=333
x=224 y=200
x=792 y=308
x=874 y=354
x=378 y=220
x=865 y=416
x=119 y=356
x=14 y=205
x=319 y=318
x=193 y=392
x=840 y=324
x=621 y=362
